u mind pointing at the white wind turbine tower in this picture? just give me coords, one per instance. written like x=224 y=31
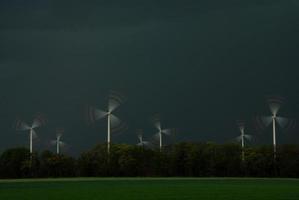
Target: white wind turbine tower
x=141 y=142
x=114 y=101
x=243 y=137
x=58 y=142
x=22 y=126
x=275 y=105
x=160 y=133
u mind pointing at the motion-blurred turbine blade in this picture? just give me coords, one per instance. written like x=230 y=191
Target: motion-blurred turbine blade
x=274 y=107
x=282 y=121
x=22 y=126
x=242 y=129
x=99 y=114
x=267 y=120
x=59 y=132
x=166 y=131
x=59 y=135
x=62 y=144
x=115 y=121
x=144 y=143
x=113 y=104
x=34 y=135
x=140 y=138
x=53 y=142
x=248 y=137
x=36 y=123
x=158 y=125
x=238 y=138
x=114 y=101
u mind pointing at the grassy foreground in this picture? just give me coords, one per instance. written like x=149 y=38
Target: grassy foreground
x=150 y=189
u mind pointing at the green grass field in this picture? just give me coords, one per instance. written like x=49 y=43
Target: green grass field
x=150 y=189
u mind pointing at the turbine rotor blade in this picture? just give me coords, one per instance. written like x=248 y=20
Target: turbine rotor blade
x=94 y=114
x=242 y=129
x=59 y=132
x=22 y=126
x=275 y=103
x=114 y=101
x=166 y=131
x=266 y=120
x=239 y=138
x=139 y=133
x=34 y=135
x=119 y=128
x=99 y=114
x=248 y=137
x=274 y=107
x=144 y=143
x=59 y=136
x=38 y=121
x=140 y=138
x=113 y=105
x=282 y=121
x=241 y=125
x=62 y=144
x=115 y=121
x=158 y=125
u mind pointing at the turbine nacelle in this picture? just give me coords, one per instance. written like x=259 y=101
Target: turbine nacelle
x=275 y=105
x=242 y=129
x=274 y=108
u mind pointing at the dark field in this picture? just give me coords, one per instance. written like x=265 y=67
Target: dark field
x=150 y=189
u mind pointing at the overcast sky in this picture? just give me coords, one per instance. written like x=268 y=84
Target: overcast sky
x=201 y=64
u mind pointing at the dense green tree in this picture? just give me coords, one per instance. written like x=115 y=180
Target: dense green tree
x=227 y=160
x=16 y=163
x=260 y=162
x=182 y=159
x=94 y=162
x=288 y=161
x=53 y=165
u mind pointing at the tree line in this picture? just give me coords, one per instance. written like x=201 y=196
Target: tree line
x=178 y=160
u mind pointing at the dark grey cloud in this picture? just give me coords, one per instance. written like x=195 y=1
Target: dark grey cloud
x=202 y=64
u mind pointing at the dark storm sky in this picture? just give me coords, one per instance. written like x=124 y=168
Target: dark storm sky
x=202 y=64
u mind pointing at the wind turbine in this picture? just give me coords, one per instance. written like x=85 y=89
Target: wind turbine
x=161 y=132
x=22 y=126
x=58 y=142
x=94 y=114
x=141 y=142
x=275 y=105
x=243 y=137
